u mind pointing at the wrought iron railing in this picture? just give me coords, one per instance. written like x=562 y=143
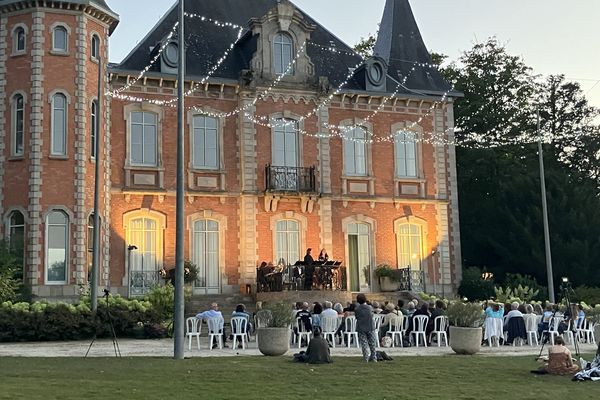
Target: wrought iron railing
x=411 y=280
x=290 y=179
x=142 y=281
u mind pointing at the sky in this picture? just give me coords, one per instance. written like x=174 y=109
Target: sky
x=553 y=36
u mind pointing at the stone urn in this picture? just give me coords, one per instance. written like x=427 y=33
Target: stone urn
x=386 y=284
x=273 y=341
x=597 y=332
x=465 y=340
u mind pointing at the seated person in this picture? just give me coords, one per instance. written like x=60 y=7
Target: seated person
x=392 y=314
x=559 y=360
x=240 y=311
x=589 y=369
x=318 y=349
x=514 y=312
x=316 y=314
x=438 y=311
x=213 y=312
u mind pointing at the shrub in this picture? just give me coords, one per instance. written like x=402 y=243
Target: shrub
x=465 y=315
x=519 y=294
x=385 y=270
x=514 y=280
x=587 y=294
x=277 y=315
x=9 y=267
x=474 y=287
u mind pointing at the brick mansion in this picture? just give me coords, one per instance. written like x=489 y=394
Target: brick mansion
x=293 y=141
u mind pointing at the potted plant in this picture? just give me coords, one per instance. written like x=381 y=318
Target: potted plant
x=387 y=278
x=273 y=329
x=465 y=321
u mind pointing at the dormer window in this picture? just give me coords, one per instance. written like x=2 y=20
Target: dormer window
x=59 y=39
x=283 y=47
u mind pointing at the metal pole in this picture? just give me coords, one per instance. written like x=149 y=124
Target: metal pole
x=545 y=214
x=96 y=239
x=434 y=272
x=180 y=233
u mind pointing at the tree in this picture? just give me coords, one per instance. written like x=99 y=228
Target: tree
x=366 y=45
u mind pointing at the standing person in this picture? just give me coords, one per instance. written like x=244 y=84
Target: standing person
x=309 y=270
x=323 y=255
x=365 y=328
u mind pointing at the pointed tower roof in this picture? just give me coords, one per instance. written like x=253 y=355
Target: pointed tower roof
x=400 y=44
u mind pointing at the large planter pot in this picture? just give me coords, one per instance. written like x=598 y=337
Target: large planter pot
x=386 y=284
x=597 y=332
x=465 y=340
x=273 y=341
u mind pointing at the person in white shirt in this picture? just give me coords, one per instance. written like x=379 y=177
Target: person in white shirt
x=213 y=312
x=514 y=312
x=328 y=310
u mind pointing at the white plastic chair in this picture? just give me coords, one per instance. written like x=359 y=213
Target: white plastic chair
x=553 y=328
x=568 y=334
x=531 y=327
x=377 y=321
x=215 y=331
x=302 y=331
x=329 y=326
x=350 y=331
x=440 y=325
x=396 y=326
x=193 y=328
x=419 y=327
x=586 y=331
x=404 y=325
x=239 y=329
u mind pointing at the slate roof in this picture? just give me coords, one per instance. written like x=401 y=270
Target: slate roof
x=400 y=44
x=206 y=43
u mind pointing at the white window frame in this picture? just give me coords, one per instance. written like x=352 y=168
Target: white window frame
x=203 y=257
x=95 y=44
x=287 y=253
x=157 y=140
x=352 y=146
x=18 y=30
x=14 y=118
x=282 y=66
x=200 y=132
x=411 y=253
x=53 y=133
x=404 y=140
x=286 y=127
x=67 y=244
x=93 y=133
x=56 y=29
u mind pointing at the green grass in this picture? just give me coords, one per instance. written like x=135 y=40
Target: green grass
x=451 y=377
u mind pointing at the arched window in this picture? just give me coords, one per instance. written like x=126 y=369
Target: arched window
x=283 y=48
x=410 y=245
x=144 y=139
x=18 y=119
x=57 y=245
x=406 y=154
x=60 y=39
x=94 y=112
x=287 y=241
x=205 y=253
x=205 y=142
x=95 y=47
x=355 y=151
x=16 y=234
x=59 y=125
x=19 y=40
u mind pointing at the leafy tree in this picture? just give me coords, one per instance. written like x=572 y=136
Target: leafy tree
x=366 y=45
x=9 y=284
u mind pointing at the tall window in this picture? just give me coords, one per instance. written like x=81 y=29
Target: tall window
x=16 y=232
x=60 y=39
x=355 y=151
x=57 y=244
x=205 y=253
x=95 y=50
x=93 y=128
x=410 y=244
x=18 y=118
x=143 y=233
x=59 y=125
x=19 y=40
x=144 y=139
x=288 y=241
x=205 y=143
x=282 y=54
x=285 y=143
x=406 y=154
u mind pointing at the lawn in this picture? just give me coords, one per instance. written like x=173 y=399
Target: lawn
x=450 y=377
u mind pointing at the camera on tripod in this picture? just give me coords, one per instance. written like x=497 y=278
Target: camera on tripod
x=106 y=292
x=565 y=285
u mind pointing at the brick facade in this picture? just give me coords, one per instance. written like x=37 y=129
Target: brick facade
x=234 y=195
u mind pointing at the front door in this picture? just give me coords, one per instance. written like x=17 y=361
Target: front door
x=205 y=254
x=359 y=257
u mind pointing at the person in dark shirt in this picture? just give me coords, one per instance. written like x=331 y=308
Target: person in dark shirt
x=309 y=270
x=318 y=349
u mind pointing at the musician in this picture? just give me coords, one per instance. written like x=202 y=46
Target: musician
x=309 y=270
x=323 y=255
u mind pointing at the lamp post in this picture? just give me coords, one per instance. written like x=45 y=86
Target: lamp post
x=178 y=331
x=545 y=214
x=434 y=271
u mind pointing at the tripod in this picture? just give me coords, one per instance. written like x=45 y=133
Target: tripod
x=112 y=329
